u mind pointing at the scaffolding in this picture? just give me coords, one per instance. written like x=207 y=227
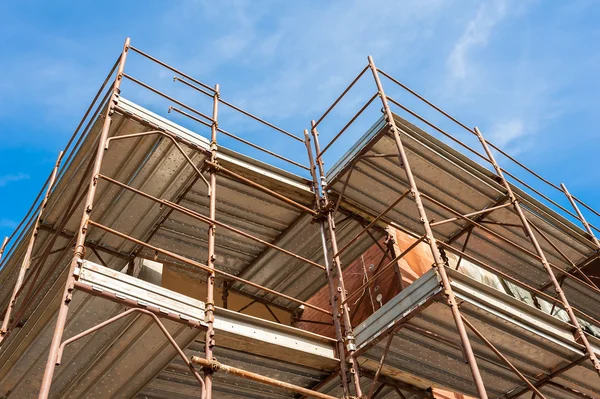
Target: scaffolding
x=475 y=219
x=326 y=198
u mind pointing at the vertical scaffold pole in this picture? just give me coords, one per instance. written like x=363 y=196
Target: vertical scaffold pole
x=210 y=279
x=27 y=258
x=3 y=247
x=587 y=226
x=330 y=274
x=438 y=261
x=340 y=289
x=580 y=335
x=83 y=228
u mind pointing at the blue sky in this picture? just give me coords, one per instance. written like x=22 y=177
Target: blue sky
x=525 y=72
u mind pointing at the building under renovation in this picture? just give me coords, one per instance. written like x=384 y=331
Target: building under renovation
x=158 y=263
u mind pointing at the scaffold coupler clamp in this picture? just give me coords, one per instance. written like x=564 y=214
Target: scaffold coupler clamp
x=350 y=344
x=389 y=237
x=323 y=208
x=444 y=256
x=213 y=164
x=213 y=367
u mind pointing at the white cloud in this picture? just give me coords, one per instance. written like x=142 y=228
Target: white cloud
x=508 y=93
x=477 y=34
x=287 y=61
x=7 y=179
x=312 y=54
x=508 y=135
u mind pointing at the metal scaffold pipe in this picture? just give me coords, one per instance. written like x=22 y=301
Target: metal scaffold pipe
x=216 y=366
x=335 y=306
x=210 y=262
x=27 y=258
x=339 y=299
x=83 y=228
x=580 y=335
x=3 y=247
x=580 y=215
x=439 y=263
x=46 y=262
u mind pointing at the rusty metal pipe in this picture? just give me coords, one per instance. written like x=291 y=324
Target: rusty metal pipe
x=216 y=366
x=90 y=121
x=360 y=111
x=32 y=291
x=580 y=335
x=547 y=378
x=84 y=134
x=28 y=221
x=256 y=118
x=372 y=393
x=337 y=279
x=468 y=129
x=207 y=220
x=27 y=258
x=479 y=218
x=81 y=137
x=332 y=106
x=3 y=246
x=204 y=267
x=209 y=341
x=261 y=187
x=508 y=277
x=154 y=126
x=486 y=211
x=199 y=216
x=500 y=237
x=349 y=173
x=67 y=294
x=364 y=230
x=200 y=89
x=439 y=263
x=502 y=357
x=494 y=270
x=127 y=313
x=562 y=254
x=501 y=224
x=550 y=200
x=384 y=268
x=586 y=206
x=54 y=251
x=391 y=252
x=65 y=150
x=274 y=154
x=333 y=299
x=175 y=143
x=453 y=344
x=240 y=110
x=360 y=156
x=464 y=247
x=420 y=97
x=434 y=126
x=76 y=145
x=166 y=96
x=161 y=63
x=434 y=336
x=241 y=140
x=580 y=215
